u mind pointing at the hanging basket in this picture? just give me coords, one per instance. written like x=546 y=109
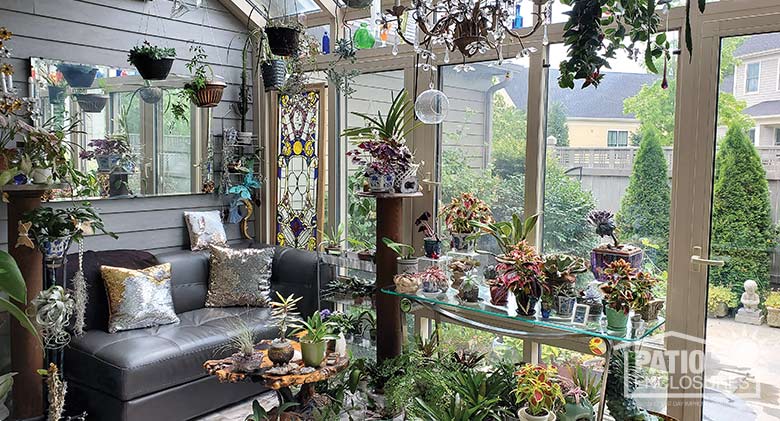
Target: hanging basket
x=358 y=4
x=153 y=69
x=283 y=41
x=150 y=94
x=92 y=103
x=274 y=72
x=78 y=75
x=210 y=96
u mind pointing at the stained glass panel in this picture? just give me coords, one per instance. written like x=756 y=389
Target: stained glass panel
x=297 y=174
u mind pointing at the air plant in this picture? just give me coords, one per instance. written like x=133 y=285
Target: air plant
x=242 y=343
x=284 y=313
x=604 y=221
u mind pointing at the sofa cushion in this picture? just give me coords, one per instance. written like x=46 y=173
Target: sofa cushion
x=135 y=363
x=189 y=278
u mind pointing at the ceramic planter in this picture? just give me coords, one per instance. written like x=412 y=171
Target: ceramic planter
x=526 y=303
x=333 y=251
x=546 y=311
x=78 y=75
x=650 y=311
x=247 y=363
x=432 y=247
x=381 y=183
x=313 y=353
x=576 y=411
x=499 y=295
x=407 y=265
x=54 y=250
x=773 y=316
x=564 y=305
x=460 y=242
x=41 y=176
x=153 y=69
x=209 y=96
x=602 y=256
x=274 y=73
x=523 y=415
x=616 y=320
x=721 y=310
x=281 y=352
x=107 y=162
x=283 y=41
x=56 y=95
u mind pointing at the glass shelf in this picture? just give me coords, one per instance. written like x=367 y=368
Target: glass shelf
x=592 y=328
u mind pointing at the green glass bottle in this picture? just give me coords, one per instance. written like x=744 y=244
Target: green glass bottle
x=363 y=38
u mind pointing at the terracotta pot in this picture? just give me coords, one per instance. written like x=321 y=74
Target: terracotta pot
x=210 y=96
x=281 y=352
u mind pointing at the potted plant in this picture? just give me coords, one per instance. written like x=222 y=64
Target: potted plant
x=407 y=262
x=406 y=283
x=458 y=216
x=340 y=323
x=381 y=149
x=47 y=152
x=577 y=406
x=242 y=347
x=363 y=249
x=314 y=341
x=625 y=288
x=561 y=272
x=432 y=243
x=78 y=75
x=548 y=304
x=284 y=313
x=433 y=280
x=204 y=90
x=108 y=152
x=593 y=298
x=284 y=36
x=469 y=289
x=719 y=300
x=506 y=233
x=151 y=61
x=499 y=291
x=56 y=86
x=459 y=267
x=538 y=391
x=14 y=292
x=92 y=103
x=333 y=239
x=772 y=304
x=604 y=254
x=521 y=272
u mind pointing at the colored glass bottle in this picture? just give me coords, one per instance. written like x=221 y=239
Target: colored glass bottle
x=363 y=38
x=325 y=43
x=518 y=22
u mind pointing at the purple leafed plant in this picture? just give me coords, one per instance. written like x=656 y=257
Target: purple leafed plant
x=98 y=147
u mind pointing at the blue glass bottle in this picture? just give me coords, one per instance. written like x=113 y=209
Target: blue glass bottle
x=325 y=43
x=518 y=22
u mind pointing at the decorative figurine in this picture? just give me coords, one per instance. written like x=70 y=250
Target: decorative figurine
x=749 y=313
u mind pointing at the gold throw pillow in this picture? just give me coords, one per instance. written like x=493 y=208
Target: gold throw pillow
x=138 y=298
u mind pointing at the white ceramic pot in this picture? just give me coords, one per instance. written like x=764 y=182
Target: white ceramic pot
x=41 y=175
x=523 y=414
x=381 y=183
x=341 y=345
x=407 y=265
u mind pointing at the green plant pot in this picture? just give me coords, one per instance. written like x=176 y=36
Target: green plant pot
x=616 y=320
x=313 y=353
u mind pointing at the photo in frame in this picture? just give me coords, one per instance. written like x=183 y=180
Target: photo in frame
x=579 y=315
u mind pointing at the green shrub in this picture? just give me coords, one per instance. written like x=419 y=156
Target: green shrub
x=742 y=229
x=566 y=208
x=773 y=299
x=644 y=209
x=719 y=294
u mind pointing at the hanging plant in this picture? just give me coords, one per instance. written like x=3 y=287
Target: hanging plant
x=205 y=89
x=151 y=61
x=284 y=35
x=598 y=29
x=339 y=72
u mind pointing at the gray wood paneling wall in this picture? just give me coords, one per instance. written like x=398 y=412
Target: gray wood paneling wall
x=102 y=32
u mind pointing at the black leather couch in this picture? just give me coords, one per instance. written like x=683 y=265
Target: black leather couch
x=156 y=373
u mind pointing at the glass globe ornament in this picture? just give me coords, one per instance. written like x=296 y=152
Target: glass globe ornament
x=431 y=106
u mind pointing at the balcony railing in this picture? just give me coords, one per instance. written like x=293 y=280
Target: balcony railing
x=620 y=161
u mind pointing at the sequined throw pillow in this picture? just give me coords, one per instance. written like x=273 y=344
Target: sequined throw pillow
x=138 y=298
x=239 y=277
x=205 y=229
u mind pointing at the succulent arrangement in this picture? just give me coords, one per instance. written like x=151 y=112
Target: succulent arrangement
x=561 y=272
x=604 y=222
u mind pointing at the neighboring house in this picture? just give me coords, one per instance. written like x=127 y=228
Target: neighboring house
x=756 y=81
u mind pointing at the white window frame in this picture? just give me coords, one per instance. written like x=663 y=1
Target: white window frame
x=758 y=77
x=777 y=136
x=618 y=132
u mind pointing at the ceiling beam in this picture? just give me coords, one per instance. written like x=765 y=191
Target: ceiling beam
x=242 y=9
x=328 y=6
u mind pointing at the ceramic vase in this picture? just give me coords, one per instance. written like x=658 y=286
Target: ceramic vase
x=107 y=162
x=313 y=353
x=407 y=265
x=41 y=175
x=281 y=352
x=564 y=305
x=54 y=250
x=432 y=247
x=616 y=320
x=523 y=415
x=381 y=183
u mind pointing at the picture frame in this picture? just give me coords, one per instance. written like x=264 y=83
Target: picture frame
x=579 y=314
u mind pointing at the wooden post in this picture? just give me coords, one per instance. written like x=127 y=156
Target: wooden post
x=26 y=353
x=389 y=214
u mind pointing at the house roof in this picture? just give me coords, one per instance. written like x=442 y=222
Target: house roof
x=758 y=43
x=763 y=109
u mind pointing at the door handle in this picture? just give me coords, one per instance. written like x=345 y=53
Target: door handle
x=697 y=261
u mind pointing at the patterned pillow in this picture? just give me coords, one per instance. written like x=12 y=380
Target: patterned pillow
x=138 y=298
x=239 y=277
x=205 y=229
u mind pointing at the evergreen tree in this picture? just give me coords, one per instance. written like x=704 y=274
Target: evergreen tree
x=556 y=124
x=742 y=229
x=644 y=210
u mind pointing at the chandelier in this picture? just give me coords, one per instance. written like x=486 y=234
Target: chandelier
x=468 y=26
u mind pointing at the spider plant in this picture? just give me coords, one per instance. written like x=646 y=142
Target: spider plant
x=396 y=125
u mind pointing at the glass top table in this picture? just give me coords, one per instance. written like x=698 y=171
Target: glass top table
x=449 y=305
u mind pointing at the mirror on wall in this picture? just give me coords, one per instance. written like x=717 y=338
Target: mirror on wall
x=129 y=137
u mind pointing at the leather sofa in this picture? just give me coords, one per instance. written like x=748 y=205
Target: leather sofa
x=156 y=373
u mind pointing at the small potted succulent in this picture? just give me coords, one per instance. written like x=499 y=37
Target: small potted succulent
x=593 y=298
x=604 y=254
x=381 y=149
x=332 y=239
x=407 y=262
x=433 y=281
x=108 y=152
x=772 y=304
x=720 y=300
x=521 y=272
x=432 y=243
x=151 y=61
x=284 y=313
x=625 y=288
x=459 y=267
x=363 y=249
x=538 y=392
x=314 y=341
x=561 y=272
x=469 y=289
x=406 y=283
x=458 y=216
